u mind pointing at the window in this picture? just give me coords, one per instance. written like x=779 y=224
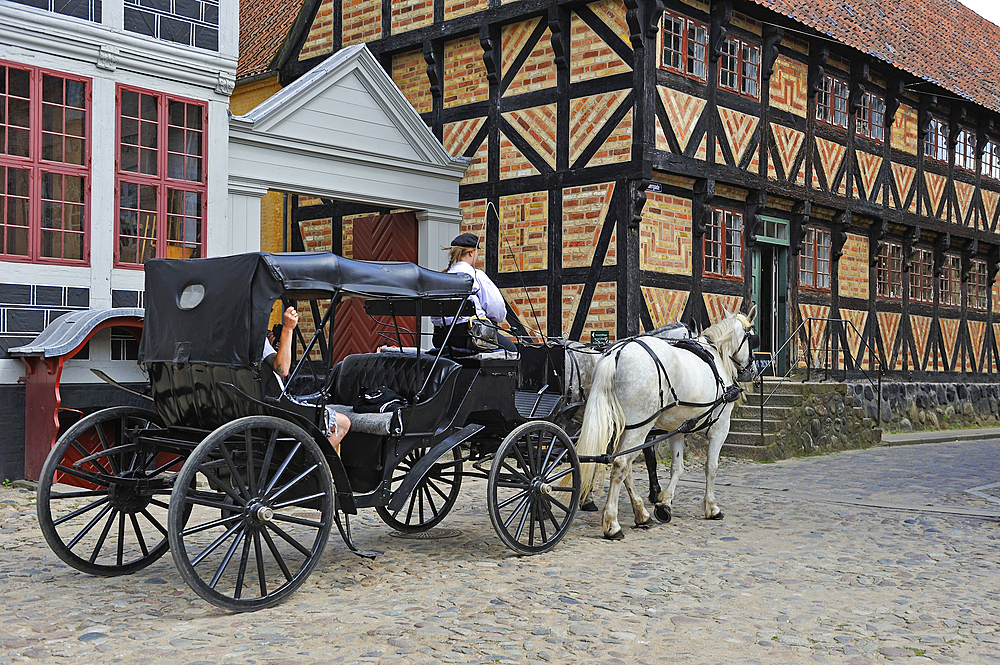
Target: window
x=161 y=179
x=44 y=165
x=950 y=285
x=991 y=160
x=965 y=150
x=724 y=244
x=124 y=345
x=936 y=141
x=922 y=276
x=889 y=275
x=871 y=117
x=831 y=102
x=739 y=68
x=814 y=259
x=685 y=46
x=978 y=286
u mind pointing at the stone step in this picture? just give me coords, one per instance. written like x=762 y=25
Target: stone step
x=753 y=425
x=745 y=412
x=752 y=399
x=748 y=439
x=745 y=451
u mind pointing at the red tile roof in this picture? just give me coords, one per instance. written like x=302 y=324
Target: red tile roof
x=941 y=41
x=264 y=24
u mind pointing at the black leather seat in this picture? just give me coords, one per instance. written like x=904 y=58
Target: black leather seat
x=403 y=373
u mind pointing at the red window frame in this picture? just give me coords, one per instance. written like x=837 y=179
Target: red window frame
x=991 y=160
x=814 y=259
x=723 y=244
x=936 y=141
x=922 y=276
x=871 y=117
x=889 y=274
x=684 y=47
x=160 y=207
x=965 y=150
x=739 y=68
x=978 y=286
x=50 y=188
x=950 y=284
x=831 y=102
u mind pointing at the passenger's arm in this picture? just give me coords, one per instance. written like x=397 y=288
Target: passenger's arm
x=283 y=361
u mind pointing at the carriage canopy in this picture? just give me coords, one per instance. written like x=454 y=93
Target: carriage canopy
x=215 y=311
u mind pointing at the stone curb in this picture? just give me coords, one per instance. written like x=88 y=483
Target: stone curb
x=941 y=436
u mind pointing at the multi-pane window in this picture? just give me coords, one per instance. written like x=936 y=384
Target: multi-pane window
x=965 y=150
x=831 y=102
x=889 y=275
x=739 y=68
x=44 y=165
x=724 y=244
x=936 y=141
x=950 y=285
x=871 y=117
x=991 y=160
x=685 y=46
x=922 y=276
x=161 y=177
x=814 y=259
x=978 y=286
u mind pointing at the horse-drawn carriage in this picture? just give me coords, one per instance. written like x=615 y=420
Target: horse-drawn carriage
x=233 y=472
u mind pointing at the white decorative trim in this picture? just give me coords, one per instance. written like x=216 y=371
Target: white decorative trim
x=107 y=57
x=225 y=84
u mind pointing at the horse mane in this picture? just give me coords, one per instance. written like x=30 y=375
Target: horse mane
x=722 y=335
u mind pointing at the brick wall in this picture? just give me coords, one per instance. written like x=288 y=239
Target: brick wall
x=524 y=223
x=362 y=21
x=592 y=57
x=458 y=138
x=456 y=8
x=411 y=14
x=513 y=163
x=271 y=222
x=618 y=147
x=602 y=314
x=538 y=71
x=409 y=73
x=665 y=234
x=474 y=221
x=665 y=306
x=464 y=72
x=587 y=116
x=584 y=211
x=789 y=86
x=320 y=39
x=248 y=96
x=527 y=305
x=904 y=129
x=853 y=269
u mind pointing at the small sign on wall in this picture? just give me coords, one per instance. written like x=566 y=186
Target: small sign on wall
x=599 y=337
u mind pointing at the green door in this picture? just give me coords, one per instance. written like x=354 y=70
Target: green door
x=770 y=289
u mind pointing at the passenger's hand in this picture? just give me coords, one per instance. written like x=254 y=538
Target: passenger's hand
x=290 y=318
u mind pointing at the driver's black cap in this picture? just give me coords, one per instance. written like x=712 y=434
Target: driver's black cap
x=466 y=240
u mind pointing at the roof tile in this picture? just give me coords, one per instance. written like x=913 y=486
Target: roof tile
x=264 y=24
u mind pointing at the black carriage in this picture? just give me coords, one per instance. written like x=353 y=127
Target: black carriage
x=234 y=474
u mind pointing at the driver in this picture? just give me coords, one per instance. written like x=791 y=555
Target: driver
x=281 y=360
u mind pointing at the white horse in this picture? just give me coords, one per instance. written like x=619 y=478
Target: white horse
x=666 y=387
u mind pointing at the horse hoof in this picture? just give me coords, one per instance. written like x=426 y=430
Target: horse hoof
x=718 y=516
x=644 y=525
x=663 y=513
x=589 y=507
x=653 y=496
x=618 y=535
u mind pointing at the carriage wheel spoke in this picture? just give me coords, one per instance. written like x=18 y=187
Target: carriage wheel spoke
x=90 y=525
x=217 y=483
x=528 y=501
x=298 y=520
x=297 y=501
x=271 y=442
x=159 y=504
x=78 y=447
x=77 y=495
x=104 y=535
x=155 y=522
x=547 y=469
x=251 y=476
x=215 y=544
x=437 y=490
x=103 y=436
x=121 y=537
x=515 y=472
x=511 y=499
x=80 y=511
x=277 y=556
x=227 y=558
x=163 y=467
x=235 y=479
x=222 y=521
x=288 y=539
x=524 y=465
x=138 y=535
x=517 y=509
x=293 y=482
x=82 y=476
x=258 y=552
x=281 y=469
x=241 y=575
x=562 y=507
x=197 y=500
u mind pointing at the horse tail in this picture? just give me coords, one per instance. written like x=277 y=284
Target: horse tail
x=603 y=422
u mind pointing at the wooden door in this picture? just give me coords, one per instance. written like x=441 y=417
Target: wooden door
x=379 y=238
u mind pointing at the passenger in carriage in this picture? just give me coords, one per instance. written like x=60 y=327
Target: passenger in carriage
x=280 y=361
x=489 y=302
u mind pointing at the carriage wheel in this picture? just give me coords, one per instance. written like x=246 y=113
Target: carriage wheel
x=102 y=500
x=534 y=487
x=432 y=498
x=261 y=500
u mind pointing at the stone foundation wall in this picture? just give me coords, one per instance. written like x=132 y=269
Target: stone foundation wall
x=826 y=420
x=930 y=406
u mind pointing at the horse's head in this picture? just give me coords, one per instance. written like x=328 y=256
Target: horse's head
x=735 y=339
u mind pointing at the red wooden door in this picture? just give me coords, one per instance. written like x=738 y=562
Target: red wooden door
x=380 y=238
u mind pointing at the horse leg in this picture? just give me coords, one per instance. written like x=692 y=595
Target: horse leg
x=665 y=499
x=649 y=454
x=642 y=518
x=609 y=519
x=716 y=437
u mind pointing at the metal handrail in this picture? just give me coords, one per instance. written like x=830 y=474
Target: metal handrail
x=806 y=326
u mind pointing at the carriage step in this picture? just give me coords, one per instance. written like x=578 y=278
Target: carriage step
x=525 y=402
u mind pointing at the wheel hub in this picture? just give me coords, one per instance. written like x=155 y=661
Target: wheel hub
x=259 y=512
x=126 y=496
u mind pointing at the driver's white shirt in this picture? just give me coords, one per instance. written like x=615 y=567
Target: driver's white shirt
x=268 y=352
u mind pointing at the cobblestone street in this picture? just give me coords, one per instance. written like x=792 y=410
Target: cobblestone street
x=882 y=555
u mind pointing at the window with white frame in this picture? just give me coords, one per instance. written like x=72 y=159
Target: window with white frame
x=724 y=244
x=936 y=141
x=950 y=285
x=814 y=259
x=978 y=286
x=684 y=46
x=991 y=160
x=739 y=68
x=889 y=274
x=871 y=117
x=831 y=102
x=922 y=276
x=965 y=150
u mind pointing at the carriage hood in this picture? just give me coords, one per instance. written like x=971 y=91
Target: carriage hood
x=216 y=310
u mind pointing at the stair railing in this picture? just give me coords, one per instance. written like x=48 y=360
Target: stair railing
x=806 y=356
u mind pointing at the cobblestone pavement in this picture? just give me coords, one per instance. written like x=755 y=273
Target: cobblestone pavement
x=859 y=557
